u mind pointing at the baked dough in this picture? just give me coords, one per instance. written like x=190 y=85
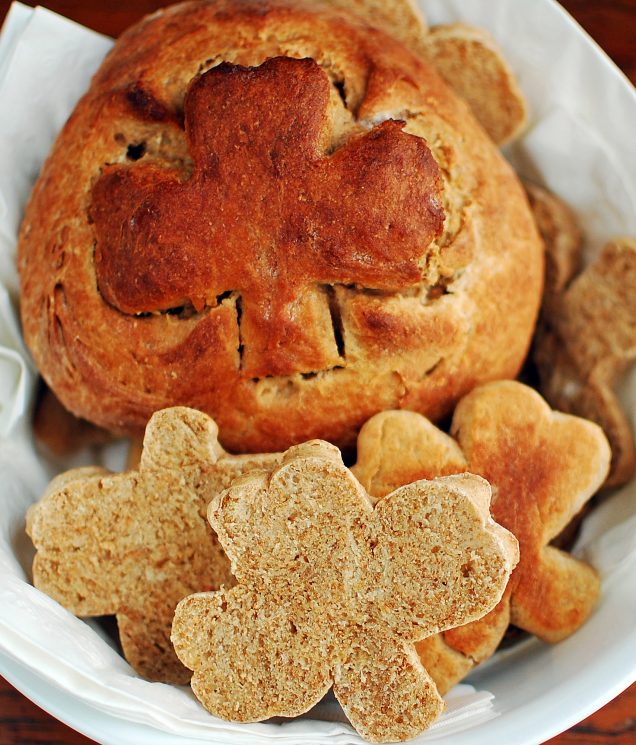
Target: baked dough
x=448 y=296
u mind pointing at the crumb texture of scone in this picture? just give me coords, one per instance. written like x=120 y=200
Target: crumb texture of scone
x=134 y=544
x=276 y=214
x=334 y=592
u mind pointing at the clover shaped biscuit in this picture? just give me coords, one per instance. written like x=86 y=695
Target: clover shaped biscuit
x=402 y=19
x=543 y=467
x=466 y=57
x=134 y=544
x=586 y=338
x=470 y=61
x=563 y=242
x=334 y=592
x=587 y=341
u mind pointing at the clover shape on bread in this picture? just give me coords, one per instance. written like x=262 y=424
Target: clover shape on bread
x=134 y=544
x=269 y=213
x=332 y=592
x=543 y=467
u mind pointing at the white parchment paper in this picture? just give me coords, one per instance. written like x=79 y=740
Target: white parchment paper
x=579 y=143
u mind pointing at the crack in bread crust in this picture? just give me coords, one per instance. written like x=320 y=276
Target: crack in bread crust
x=488 y=262
x=266 y=213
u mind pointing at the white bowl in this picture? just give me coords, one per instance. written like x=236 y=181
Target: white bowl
x=580 y=144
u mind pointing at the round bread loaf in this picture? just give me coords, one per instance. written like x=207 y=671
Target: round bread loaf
x=277 y=214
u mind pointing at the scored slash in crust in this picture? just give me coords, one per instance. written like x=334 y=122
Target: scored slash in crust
x=267 y=213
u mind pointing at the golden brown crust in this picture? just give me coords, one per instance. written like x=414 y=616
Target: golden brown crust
x=402 y=19
x=307 y=220
x=331 y=591
x=562 y=238
x=585 y=344
x=421 y=347
x=543 y=467
x=470 y=61
x=136 y=543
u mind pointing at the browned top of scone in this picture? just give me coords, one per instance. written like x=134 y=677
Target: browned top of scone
x=543 y=467
x=291 y=288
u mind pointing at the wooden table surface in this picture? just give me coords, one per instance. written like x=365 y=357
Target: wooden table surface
x=613 y=24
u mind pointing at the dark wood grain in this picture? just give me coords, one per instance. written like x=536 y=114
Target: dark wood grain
x=614 y=723
x=24 y=723
x=613 y=24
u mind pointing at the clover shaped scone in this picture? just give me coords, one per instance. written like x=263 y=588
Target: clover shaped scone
x=134 y=544
x=543 y=467
x=585 y=344
x=467 y=57
x=586 y=336
x=332 y=592
x=470 y=61
x=563 y=241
